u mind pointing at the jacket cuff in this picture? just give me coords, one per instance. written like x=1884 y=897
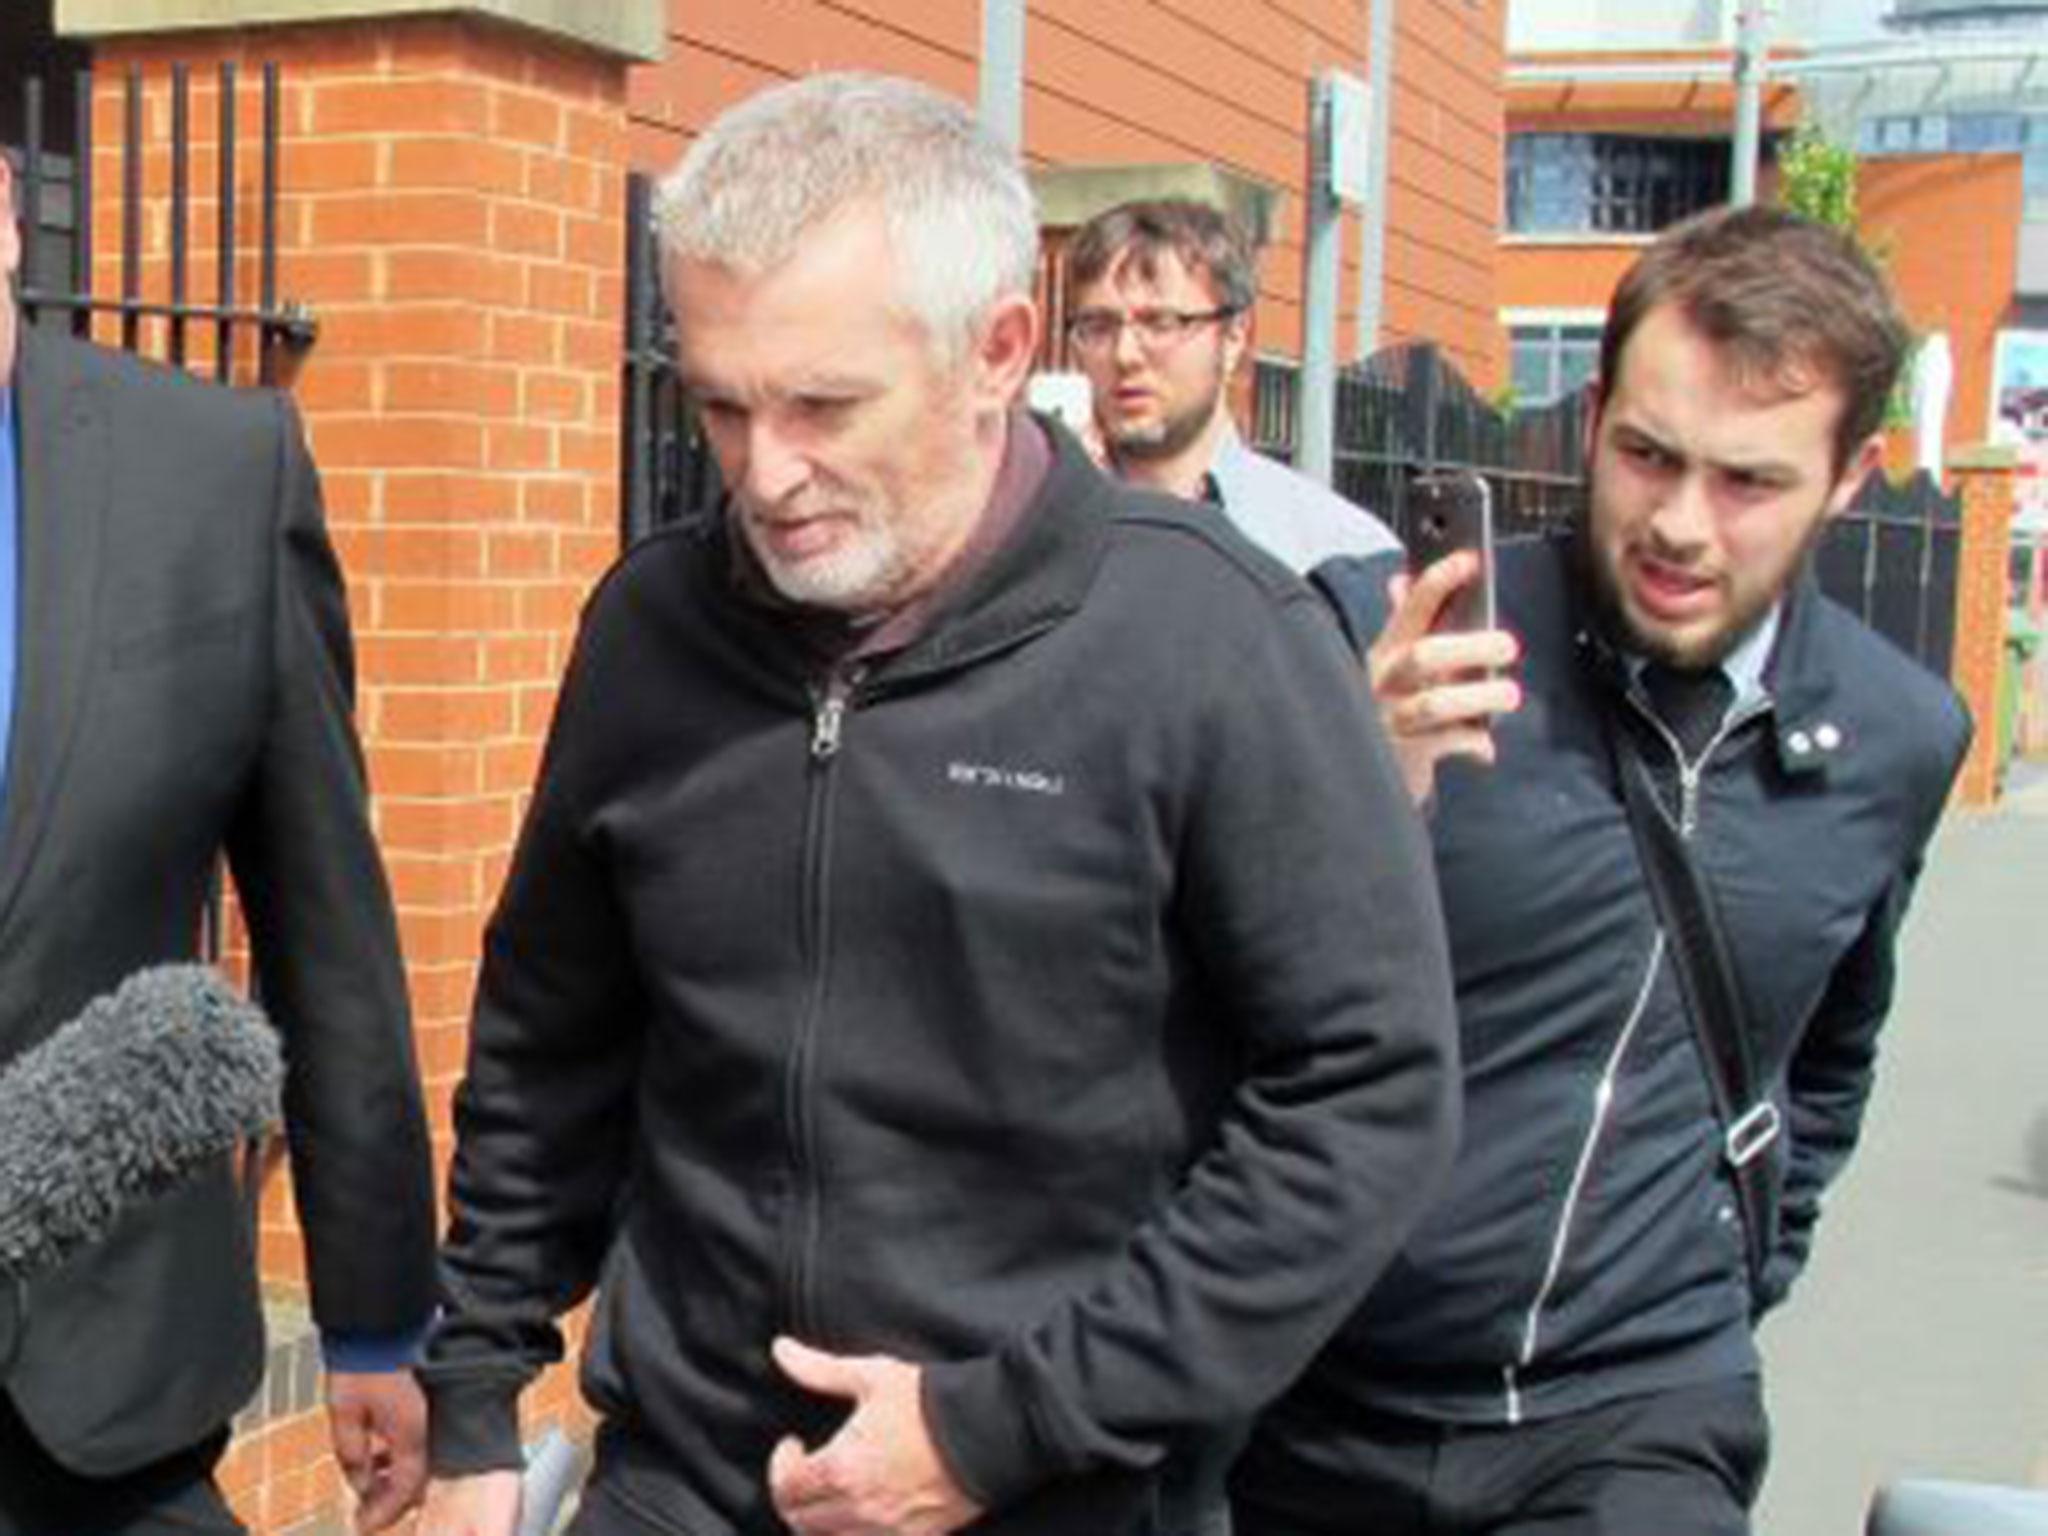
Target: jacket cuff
x=983 y=1430
x=473 y=1425
x=369 y=1354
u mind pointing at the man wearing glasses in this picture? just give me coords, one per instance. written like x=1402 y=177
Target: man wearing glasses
x=1162 y=293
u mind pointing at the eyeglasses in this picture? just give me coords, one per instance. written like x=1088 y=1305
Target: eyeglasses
x=1158 y=330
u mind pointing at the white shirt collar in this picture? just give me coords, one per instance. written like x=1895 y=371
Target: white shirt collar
x=1743 y=666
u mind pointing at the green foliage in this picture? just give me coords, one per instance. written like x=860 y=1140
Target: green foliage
x=1817 y=177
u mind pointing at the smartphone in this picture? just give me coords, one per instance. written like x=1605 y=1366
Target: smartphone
x=1446 y=513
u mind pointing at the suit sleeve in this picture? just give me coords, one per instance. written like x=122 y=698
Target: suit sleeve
x=326 y=943
x=1307 y=896
x=543 y=1119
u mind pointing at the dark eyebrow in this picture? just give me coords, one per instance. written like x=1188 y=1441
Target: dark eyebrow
x=1759 y=469
x=1646 y=438
x=1774 y=470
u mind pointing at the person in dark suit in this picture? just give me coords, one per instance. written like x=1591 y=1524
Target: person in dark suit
x=176 y=680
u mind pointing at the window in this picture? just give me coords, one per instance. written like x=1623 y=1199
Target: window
x=1549 y=360
x=1610 y=183
x=1979 y=133
x=1962 y=133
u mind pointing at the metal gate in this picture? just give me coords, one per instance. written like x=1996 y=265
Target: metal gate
x=231 y=336
x=666 y=470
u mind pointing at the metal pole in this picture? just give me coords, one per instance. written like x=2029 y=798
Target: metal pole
x=1372 y=262
x=1002 y=70
x=1751 y=45
x=1319 y=287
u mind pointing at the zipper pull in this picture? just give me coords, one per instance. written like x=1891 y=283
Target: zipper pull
x=1689 y=794
x=828 y=716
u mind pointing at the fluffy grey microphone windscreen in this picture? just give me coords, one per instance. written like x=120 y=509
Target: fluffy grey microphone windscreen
x=145 y=1087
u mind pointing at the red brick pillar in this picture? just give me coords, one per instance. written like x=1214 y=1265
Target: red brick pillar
x=452 y=212
x=1984 y=479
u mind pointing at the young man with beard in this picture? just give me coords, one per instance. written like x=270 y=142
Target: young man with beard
x=1160 y=319
x=1565 y=1345
x=969 y=994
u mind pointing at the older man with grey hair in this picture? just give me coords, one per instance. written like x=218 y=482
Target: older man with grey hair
x=968 y=996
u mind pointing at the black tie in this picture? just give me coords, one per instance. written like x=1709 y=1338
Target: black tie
x=1692 y=705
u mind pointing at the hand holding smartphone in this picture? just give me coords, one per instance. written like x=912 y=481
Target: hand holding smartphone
x=1449 y=512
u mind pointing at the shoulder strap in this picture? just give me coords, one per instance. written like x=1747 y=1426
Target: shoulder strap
x=1713 y=997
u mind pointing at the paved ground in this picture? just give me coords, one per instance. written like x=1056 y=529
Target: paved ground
x=1917 y=1344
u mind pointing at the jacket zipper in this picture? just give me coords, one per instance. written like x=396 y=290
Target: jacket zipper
x=1560 y=1239
x=829 y=703
x=1689 y=776
x=1690 y=772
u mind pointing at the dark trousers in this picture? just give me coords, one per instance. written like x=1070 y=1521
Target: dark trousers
x=1687 y=1462
x=172 y=1497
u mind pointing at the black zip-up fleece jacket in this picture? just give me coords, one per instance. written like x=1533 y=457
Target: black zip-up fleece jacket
x=1588 y=1247
x=1061 y=1003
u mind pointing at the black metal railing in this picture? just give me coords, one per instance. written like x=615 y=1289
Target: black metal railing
x=667 y=474
x=1406 y=411
x=58 y=270
x=1892 y=559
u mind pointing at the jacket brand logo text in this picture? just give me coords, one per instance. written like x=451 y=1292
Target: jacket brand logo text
x=1024 y=781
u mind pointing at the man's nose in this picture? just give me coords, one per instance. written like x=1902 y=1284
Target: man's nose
x=1683 y=524
x=1125 y=347
x=775 y=467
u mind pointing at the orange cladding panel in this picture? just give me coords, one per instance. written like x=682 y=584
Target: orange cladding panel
x=1172 y=81
x=1947 y=226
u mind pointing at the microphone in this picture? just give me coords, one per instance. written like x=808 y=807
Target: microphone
x=147 y=1086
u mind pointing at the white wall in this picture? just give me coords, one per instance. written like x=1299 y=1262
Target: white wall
x=1541 y=26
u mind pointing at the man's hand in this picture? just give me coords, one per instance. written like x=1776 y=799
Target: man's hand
x=378 y=1421
x=880 y=1475
x=486 y=1504
x=1438 y=693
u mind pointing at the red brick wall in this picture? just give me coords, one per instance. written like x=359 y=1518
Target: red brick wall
x=1986 y=481
x=453 y=210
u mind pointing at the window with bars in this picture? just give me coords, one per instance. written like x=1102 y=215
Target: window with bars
x=1548 y=361
x=1610 y=183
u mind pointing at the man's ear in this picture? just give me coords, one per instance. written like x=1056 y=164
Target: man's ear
x=1589 y=431
x=1006 y=349
x=1237 y=340
x=10 y=239
x=1861 y=465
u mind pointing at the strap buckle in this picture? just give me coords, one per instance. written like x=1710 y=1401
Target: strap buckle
x=1751 y=1134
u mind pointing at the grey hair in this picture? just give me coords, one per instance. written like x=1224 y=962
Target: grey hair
x=770 y=172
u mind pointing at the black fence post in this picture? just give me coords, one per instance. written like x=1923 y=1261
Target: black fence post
x=82 y=184
x=131 y=212
x=637 y=386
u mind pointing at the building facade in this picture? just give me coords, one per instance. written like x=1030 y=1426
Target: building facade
x=448 y=230
x=1615 y=129
x=1167 y=94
